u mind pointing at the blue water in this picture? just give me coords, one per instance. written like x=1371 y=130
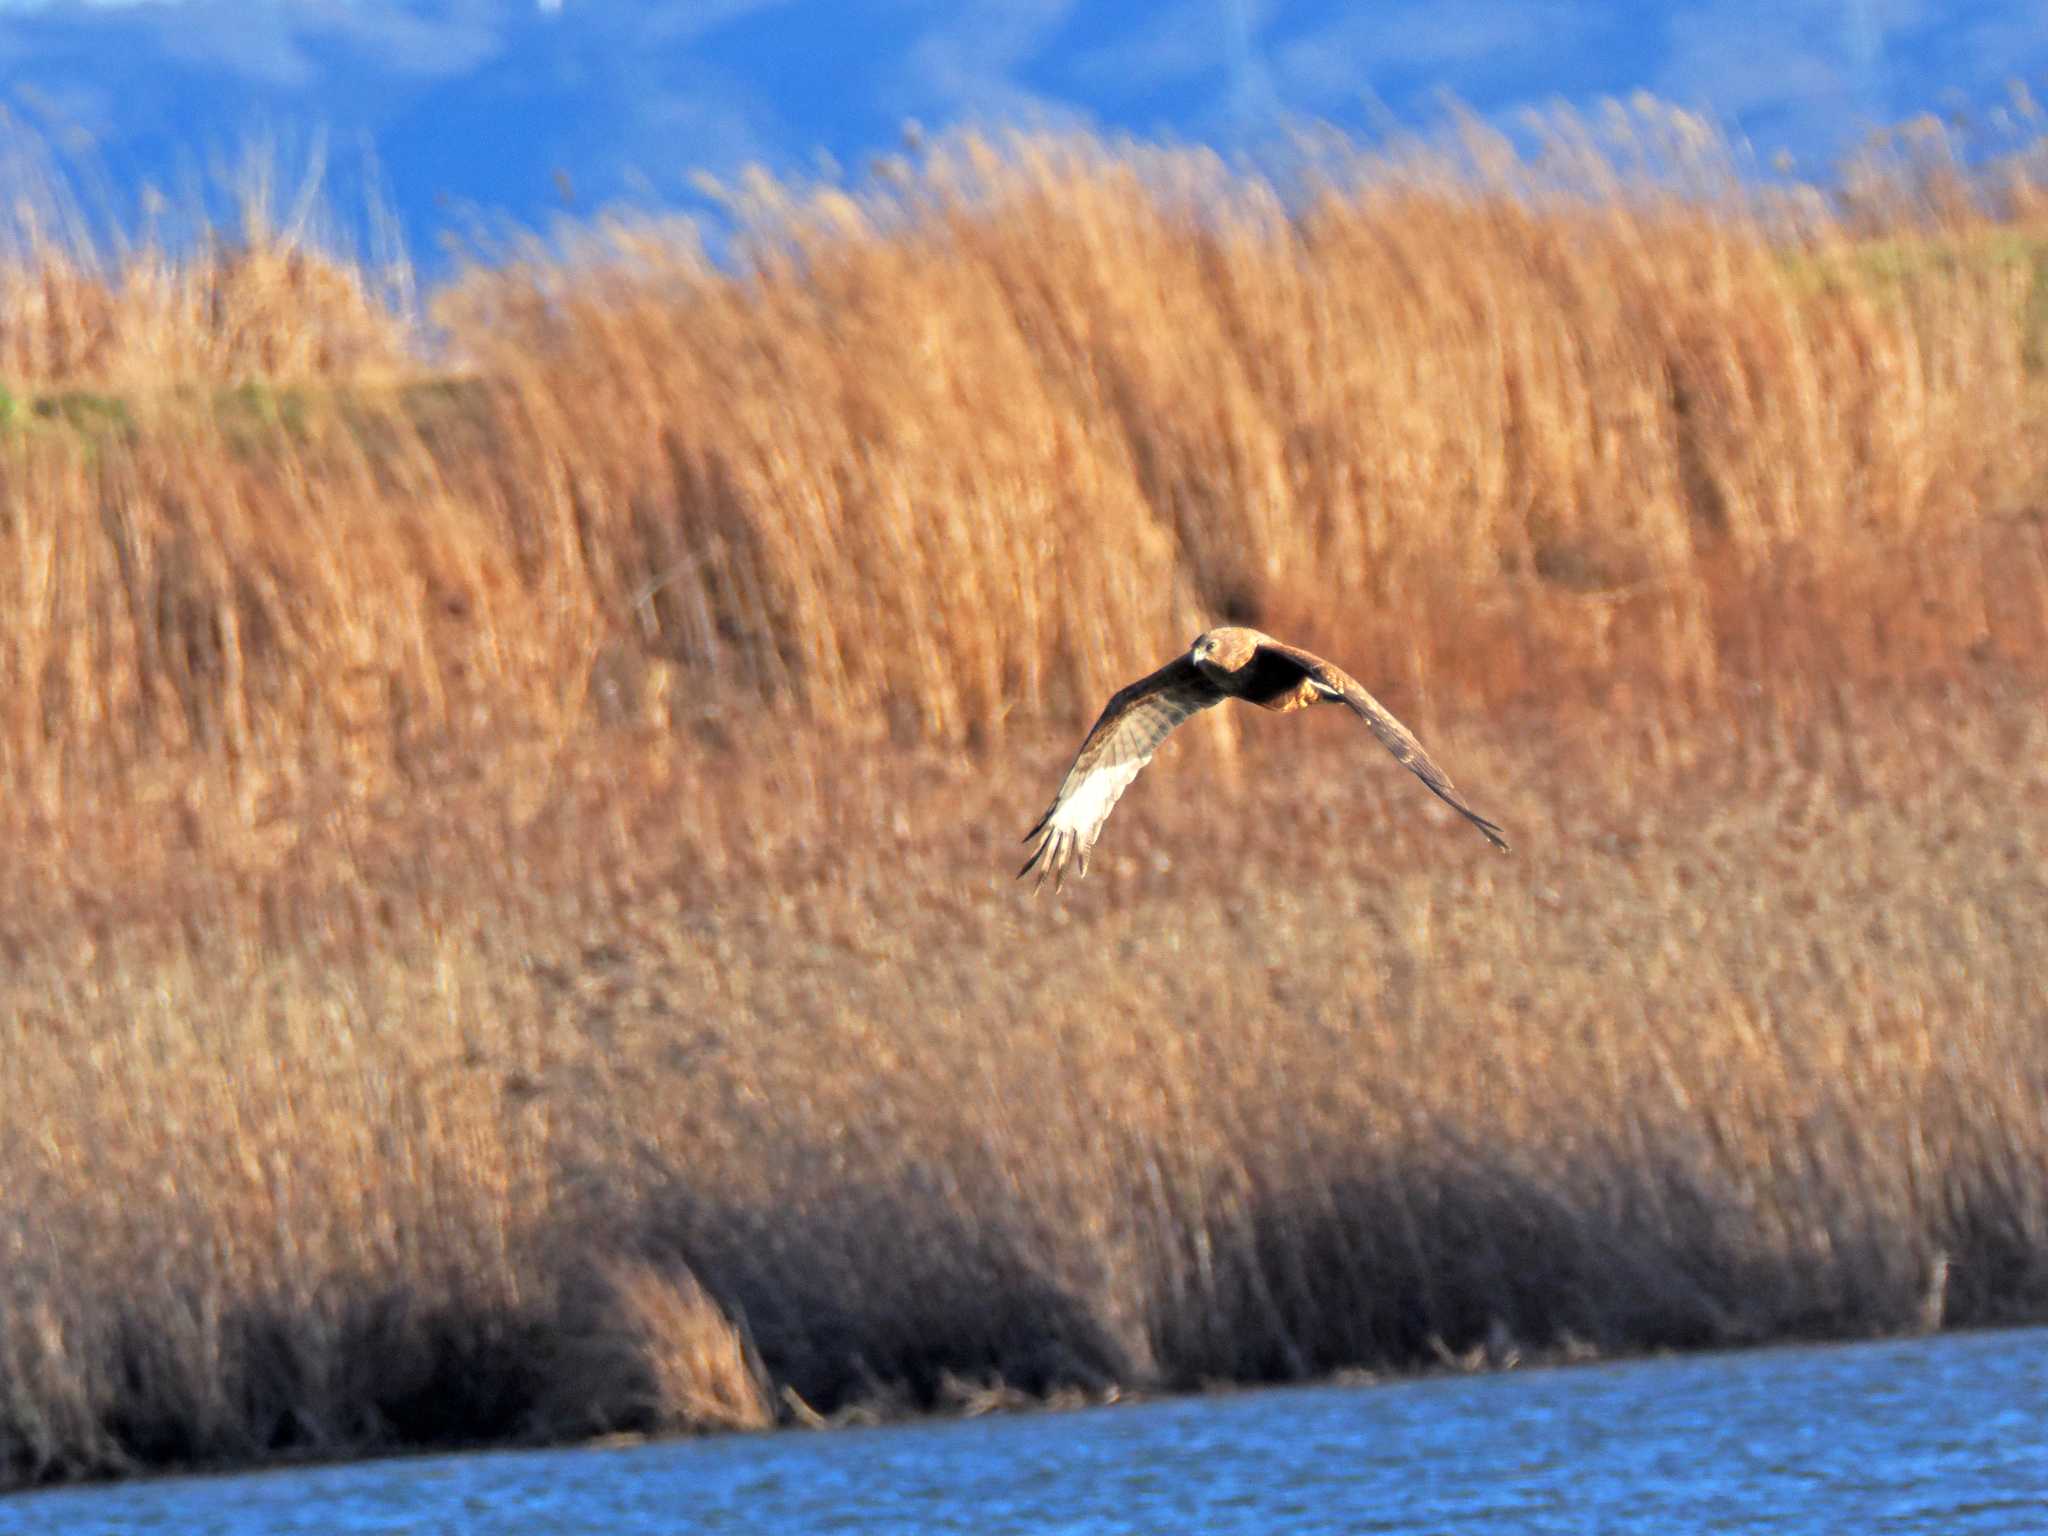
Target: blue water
x=1941 y=1435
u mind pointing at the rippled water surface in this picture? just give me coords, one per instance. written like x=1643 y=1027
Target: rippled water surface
x=1944 y=1435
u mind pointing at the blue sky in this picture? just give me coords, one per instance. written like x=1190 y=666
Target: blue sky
x=479 y=104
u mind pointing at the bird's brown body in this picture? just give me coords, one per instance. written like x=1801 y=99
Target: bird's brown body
x=1260 y=675
x=1227 y=663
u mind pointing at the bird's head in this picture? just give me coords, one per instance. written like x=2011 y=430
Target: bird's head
x=1223 y=650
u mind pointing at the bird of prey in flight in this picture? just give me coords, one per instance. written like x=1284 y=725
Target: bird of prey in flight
x=1228 y=663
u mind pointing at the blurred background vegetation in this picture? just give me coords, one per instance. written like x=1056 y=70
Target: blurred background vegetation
x=510 y=790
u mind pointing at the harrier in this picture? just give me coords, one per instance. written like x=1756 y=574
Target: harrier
x=1222 y=664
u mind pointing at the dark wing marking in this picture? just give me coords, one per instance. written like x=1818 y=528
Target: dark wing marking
x=1121 y=742
x=1338 y=684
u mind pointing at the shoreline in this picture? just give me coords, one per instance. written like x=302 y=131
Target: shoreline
x=992 y=1402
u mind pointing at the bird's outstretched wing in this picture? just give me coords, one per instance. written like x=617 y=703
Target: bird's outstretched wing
x=1336 y=683
x=1121 y=742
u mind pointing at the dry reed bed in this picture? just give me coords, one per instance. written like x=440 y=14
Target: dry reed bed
x=963 y=454
x=507 y=928
x=570 y=1139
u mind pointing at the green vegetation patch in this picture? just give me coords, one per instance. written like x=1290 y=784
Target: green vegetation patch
x=1907 y=268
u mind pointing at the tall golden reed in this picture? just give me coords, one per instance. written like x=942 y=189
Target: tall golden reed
x=1034 y=410
x=506 y=903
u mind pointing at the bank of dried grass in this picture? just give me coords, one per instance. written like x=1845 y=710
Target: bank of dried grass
x=507 y=927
